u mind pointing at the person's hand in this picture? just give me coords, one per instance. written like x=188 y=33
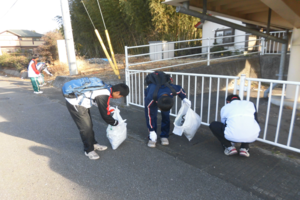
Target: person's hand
x=188 y=102
x=153 y=136
x=116 y=123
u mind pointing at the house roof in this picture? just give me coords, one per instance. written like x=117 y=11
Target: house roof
x=25 y=33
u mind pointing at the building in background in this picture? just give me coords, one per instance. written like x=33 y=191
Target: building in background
x=20 y=41
x=213 y=30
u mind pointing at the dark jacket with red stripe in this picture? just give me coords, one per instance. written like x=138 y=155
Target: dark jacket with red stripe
x=151 y=105
x=99 y=98
x=104 y=109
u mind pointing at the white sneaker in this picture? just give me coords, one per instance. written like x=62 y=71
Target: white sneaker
x=244 y=152
x=99 y=147
x=230 y=151
x=92 y=155
x=164 y=141
x=151 y=143
x=39 y=92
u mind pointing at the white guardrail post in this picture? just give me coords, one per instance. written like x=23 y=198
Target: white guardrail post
x=208 y=52
x=127 y=78
x=262 y=51
x=242 y=86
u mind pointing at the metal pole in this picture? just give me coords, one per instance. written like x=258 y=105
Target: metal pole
x=68 y=36
x=226 y=23
x=208 y=52
x=269 y=20
x=282 y=57
x=262 y=51
x=127 y=78
x=242 y=85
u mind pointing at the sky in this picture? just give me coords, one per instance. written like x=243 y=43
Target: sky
x=37 y=15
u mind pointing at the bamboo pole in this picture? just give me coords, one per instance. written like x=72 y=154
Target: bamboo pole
x=108 y=40
x=106 y=53
x=102 y=45
x=111 y=50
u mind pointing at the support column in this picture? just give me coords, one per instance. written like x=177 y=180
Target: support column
x=69 y=36
x=294 y=66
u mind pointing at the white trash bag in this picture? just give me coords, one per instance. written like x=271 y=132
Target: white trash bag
x=187 y=122
x=40 y=79
x=117 y=134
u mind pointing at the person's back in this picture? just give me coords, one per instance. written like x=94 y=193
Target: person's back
x=241 y=125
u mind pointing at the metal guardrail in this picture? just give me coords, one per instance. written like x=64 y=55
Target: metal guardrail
x=273 y=47
x=208 y=94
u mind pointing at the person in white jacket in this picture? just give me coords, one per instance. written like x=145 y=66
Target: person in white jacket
x=239 y=124
x=34 y=74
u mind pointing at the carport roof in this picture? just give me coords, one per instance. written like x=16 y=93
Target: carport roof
x=285 y=13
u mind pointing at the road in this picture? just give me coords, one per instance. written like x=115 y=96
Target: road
x=42 y=158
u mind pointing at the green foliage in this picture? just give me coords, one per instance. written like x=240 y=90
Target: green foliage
x=129 y=23
x=59 y=21
x=13 y=62
x=49 y=49
x=216 y=49
x=220 y=48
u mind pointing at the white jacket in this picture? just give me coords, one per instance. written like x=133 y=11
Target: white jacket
x=241 y=125
x=86 y=101
x=31 y=72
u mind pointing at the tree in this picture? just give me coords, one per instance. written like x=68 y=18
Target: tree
x=49 y=49
x=129 y=23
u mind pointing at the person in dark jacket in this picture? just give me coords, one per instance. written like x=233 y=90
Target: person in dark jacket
x=79 y=109
x=164 y=103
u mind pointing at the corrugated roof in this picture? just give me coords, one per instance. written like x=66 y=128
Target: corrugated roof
x=25 y=33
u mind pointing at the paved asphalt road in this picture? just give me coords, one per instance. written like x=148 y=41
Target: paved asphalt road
x=42 y=158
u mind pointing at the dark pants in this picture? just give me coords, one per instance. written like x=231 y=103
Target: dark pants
x=83 y=120
x=218 y=129
x=165 y=122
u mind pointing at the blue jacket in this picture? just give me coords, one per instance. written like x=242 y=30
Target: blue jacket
x=151 y=105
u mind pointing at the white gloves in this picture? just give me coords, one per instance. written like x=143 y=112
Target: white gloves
x=51 y=74
x=153 y=136
x=188 y=102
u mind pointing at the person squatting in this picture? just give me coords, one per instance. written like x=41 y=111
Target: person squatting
x=239 y=124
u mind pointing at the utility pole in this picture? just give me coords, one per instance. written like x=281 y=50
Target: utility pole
x=68 y=36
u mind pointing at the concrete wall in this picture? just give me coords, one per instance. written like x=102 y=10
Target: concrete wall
x=248 y=65
x=270 y=66
x=266 y=66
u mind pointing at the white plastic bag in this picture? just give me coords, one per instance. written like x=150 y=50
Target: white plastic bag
x=187 y=122
x=40 y=79
x=117 y=134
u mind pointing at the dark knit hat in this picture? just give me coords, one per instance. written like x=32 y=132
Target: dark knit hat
x=232 y=97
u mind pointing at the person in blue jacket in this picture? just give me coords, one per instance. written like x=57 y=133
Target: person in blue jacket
x=161 y=97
